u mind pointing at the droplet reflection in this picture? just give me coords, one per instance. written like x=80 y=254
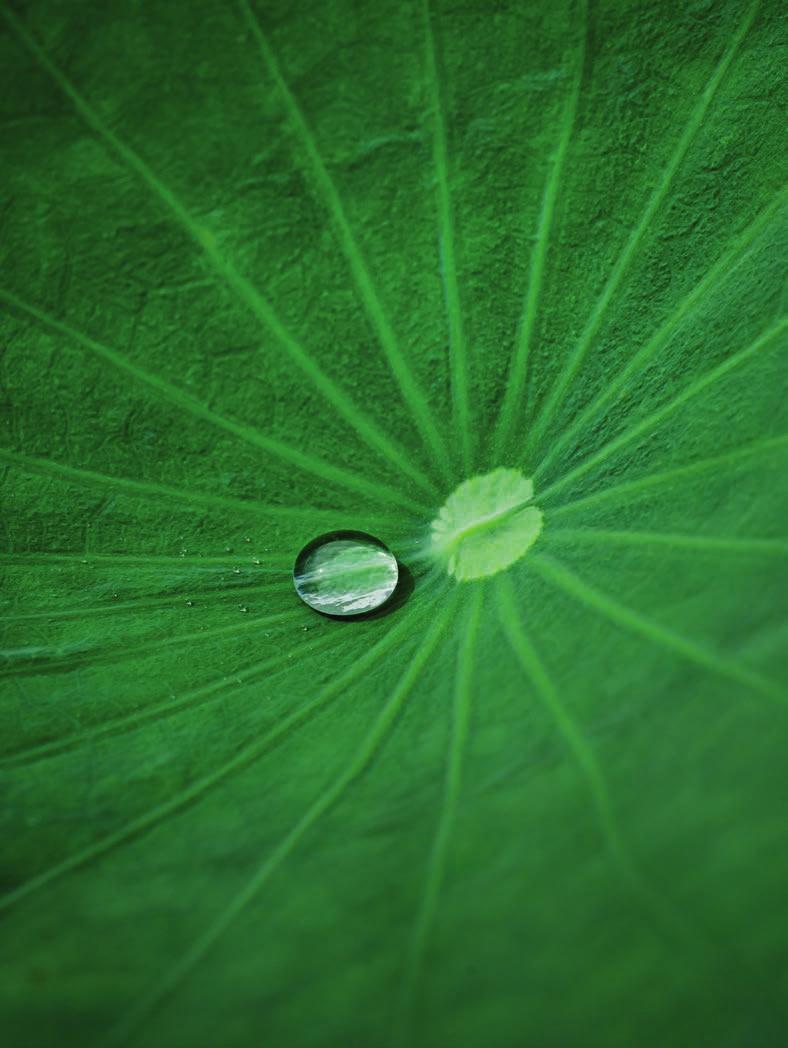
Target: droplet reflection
x=345 y=573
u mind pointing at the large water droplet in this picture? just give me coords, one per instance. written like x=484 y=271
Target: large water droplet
x=345 y=573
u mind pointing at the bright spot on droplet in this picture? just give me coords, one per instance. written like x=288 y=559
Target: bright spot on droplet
x=486 y=524
x=345 y=573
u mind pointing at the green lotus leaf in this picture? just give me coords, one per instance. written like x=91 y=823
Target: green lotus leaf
x=500 y=284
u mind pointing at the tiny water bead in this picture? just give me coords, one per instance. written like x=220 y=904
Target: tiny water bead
x=345 y=573
x=486 y=524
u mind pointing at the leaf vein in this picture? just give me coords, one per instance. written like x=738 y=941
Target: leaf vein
x=656 y=200
x=245 y=291
x=633 y=621
x=330 y=796
x=412 y=394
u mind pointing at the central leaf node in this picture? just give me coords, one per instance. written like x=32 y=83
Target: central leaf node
x=486 y=524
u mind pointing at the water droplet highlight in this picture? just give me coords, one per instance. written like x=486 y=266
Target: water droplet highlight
x=345 y=573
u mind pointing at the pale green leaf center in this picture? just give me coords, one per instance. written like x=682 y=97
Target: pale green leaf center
x=486 y=524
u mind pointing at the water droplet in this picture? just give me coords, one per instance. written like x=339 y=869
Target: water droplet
x=243 y=607
x=189 y=603
x=256 y=560
x=345 y=573
x=247 y=539
x=236 y=571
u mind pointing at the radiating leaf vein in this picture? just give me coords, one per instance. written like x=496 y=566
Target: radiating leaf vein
x=451 y=795
x=639 y=429
x=186 y=797
x=357 y=765
x=574 y=360
x=764 y=450
x=152 y=491
x=37 y=661
x=451 y=291
x=188 y=700
x=411 y=392
x=302 y=460
x=724 y=267
x=656 y=903
x=245 y=291
x=518 y=371
x=635 y=622
x=694 y=543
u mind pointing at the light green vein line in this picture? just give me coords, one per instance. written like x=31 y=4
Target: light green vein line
x=725 y=266
x=185 y=402
x=192 y=793
x=437 y=860
x=148 y=489
x=640 y=429
x=518 y=372
x=247 y=561
x=509 y=616
x=243 y=288
x=411 y=392
x=660 y=908
x=457 y=349
x=764 y=449
x=629 y=619
x=330 y=796
x=694 y=543
x=201 y=696
x=244 y=564
x=38 y=661
x=657 y=198
x=217 y=599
